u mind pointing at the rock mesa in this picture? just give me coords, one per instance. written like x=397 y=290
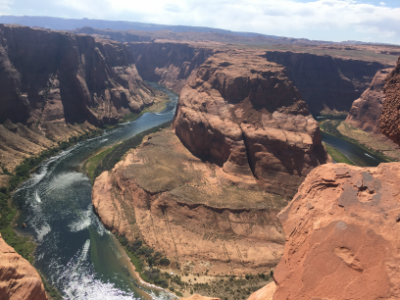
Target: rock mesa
x=244 y=114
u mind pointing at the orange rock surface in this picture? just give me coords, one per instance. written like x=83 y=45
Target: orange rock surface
x=181 y=206
x=390 y=118
x=18 y=279
x=242 y=113
x=342 y=235
x=366 y=111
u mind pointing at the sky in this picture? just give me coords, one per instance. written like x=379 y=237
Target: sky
x=332 y=20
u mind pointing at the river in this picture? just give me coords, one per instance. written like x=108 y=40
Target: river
x=356 y=154
x=75 y=252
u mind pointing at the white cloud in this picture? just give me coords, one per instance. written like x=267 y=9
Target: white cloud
x=320 y=19
x=382 y=3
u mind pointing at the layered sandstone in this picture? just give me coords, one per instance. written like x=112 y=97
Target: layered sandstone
x=244 y=114
x=170 y=63
x=266 y=293
x=342 y=235
x=198 y=297
x=57 y=84
x=18 y=279
x=181 y=206
x=366 y=111
x=390 y=118
x=328 y=83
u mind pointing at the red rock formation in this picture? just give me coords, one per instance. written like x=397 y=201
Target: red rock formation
x=18 y=279
x=242 y=113
x=169 y=63
x=181 y=206
x=327 y=82
x=342 y=235
x=366 y=111
x=56 y=85
x=390 y=118
x=48 y=75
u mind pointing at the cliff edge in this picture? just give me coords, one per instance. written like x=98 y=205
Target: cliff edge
x=242 y=113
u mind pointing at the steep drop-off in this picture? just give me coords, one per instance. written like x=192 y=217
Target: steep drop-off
x=390 y=118
x=242 y=113
x=170 y=63
x=56 y=84
x=18 y=279
x=181 y=207
x=327 y=84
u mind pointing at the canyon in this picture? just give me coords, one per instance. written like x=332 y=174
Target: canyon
x=210 y=192
x=57 y=85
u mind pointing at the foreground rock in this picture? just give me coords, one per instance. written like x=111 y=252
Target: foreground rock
x=242 y=113
x=180 y=206
x=56 y=85
x=390 y=118
x=18 y=279
x=341 y=231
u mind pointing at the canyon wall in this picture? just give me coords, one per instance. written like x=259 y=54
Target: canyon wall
x=242 y=113
x=366 y=110
x=56 y=85
x=390 y=118
x=18 y=279
x=327 y=84
x=169 y=63
x=180 y=206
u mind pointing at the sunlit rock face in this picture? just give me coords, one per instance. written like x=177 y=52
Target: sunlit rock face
x=244 y=114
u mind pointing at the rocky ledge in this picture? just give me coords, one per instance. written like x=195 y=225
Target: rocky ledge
x=342 y=235
x=18 y=279
x=179 y=205
x=242 y=113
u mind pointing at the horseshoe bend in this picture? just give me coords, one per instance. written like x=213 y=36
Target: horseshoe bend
x=176 y=164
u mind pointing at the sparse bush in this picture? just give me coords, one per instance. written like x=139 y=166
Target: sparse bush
x=164 y=261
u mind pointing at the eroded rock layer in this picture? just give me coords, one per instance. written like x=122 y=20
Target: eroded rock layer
x=18 y=279
x=366 y=111
x=328 y=84
x=56 y=85
x=170 y=63
x=244 y=114
x=390 y=118
x=342 y=235
x=181 y=206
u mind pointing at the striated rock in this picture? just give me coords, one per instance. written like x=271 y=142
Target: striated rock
x=342 y=235
x=266 y=293
x=18 y=279
x=390 y=118
x=366 y=111
x=181 y=206
x=169 y=63
x=57 y=84
x=242 y=113
x=327 y=83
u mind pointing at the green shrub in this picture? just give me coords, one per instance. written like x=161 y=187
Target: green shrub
x=164 y=261
x=161 y=282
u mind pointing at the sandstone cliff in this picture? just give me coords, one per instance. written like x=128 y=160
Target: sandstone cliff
x=242 y=113
x=181 y=206
x=18 y=279
x=390 y=118
x=327 y=83
x=170 y=63
x=341 y=231
x=56 y=84
x=366 y=111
